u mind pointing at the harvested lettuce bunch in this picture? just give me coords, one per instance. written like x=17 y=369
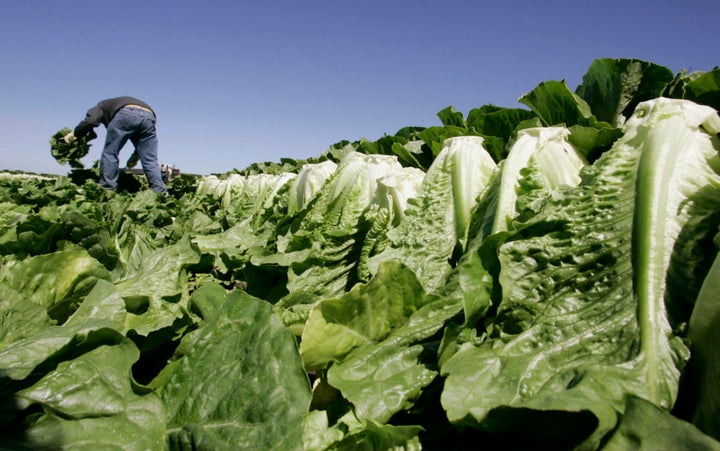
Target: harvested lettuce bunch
x=66 y=148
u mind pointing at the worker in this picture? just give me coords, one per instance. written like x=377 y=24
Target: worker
x=125 y=118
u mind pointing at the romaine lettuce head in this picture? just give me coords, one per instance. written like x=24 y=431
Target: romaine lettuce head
x=540 y=161
x=250 y=198
x=437 y=221
x=68 y=151
x=322 y=245
x=395 y=190
x=309 y=181
x=548 y=152
x=595 y=286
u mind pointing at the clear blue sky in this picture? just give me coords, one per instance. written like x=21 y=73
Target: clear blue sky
x=238 y=82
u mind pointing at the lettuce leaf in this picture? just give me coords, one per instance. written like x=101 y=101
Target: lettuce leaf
x=241 y=383
x=376 y=341
x=614 y=87
x=703 y=371
x=646 y=426
x=165 y=269
x=57 y=282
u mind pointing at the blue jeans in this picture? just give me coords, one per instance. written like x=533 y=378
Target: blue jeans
x=138 y=126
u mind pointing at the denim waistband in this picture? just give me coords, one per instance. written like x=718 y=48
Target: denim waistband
x=140 y=107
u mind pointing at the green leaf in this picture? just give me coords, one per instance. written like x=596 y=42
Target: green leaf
x=555 y=104
x=434 y=137
x=705 y=89
x=352 y=434
x=103 y=309
x=449 y=117
x=644 y=426
x=91 y=236
x=704 y=367
x=20 y=318
x=91 y=402
x=375 y=435
x=57 y=281
x=208 y=299
x=154 y=283
x=240 y=385
x=491 y=120
x=365 y=315
x=699 y=87
x=387 y=377
x=593 y=141
x=614 y=87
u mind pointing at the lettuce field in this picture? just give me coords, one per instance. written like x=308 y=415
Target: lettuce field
x=544 y=277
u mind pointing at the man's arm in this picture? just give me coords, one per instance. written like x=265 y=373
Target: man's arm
x=92 y=120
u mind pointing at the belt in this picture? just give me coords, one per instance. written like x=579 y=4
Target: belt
x=140 y=107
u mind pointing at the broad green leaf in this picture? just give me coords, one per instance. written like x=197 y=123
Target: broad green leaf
x=207 y=300
x=491 y=120
x=18 y=317
x=375 y=435
x=644 y=426
x=240 y=385
x=497 y=125
x=699 y=87
x=705 y=89
x=593 y=141
x=434 y=138
x=91 y=236
x=351 y=434
x=154 y=283
x=10 y=216
x=703 y=371
x=101 y=311
x=57 y=281
x=555 y=104
x=365 y=315
x=614 y=87
x=448 y=116
x=382 y=379
x=91 y=402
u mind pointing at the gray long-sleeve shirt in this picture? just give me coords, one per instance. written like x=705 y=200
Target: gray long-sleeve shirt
x=103 y=112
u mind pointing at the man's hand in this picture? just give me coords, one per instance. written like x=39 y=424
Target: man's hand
x=132 y=161
x=69 y=138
